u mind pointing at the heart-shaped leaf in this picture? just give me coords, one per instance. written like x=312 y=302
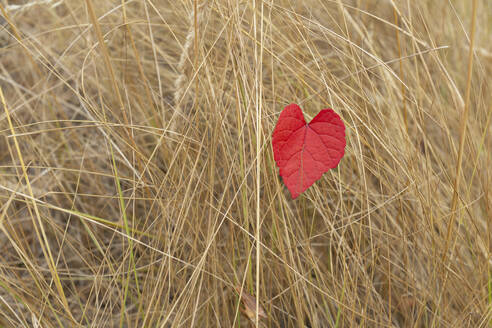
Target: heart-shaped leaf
x=304 y=152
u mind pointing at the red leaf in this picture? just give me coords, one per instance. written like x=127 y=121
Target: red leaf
x=304 y=152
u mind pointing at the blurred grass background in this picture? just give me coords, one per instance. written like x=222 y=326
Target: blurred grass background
x=137 y=178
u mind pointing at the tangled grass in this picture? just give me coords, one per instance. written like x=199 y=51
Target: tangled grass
x=138 y=186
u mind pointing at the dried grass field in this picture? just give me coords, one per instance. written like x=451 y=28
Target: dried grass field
x=138 y=186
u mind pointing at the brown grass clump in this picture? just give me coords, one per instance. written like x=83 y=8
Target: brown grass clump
x=138 y=186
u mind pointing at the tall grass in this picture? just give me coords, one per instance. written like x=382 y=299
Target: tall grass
x=138 y=186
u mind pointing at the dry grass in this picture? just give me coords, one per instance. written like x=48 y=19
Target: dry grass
x=137 y=177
